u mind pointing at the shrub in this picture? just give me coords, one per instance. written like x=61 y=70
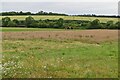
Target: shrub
x=29 y=21
x=95 y=24
x=16 y=21
x=117 y=25
x=34 y=25
x=12 y=24
x=5 y=21
x=110 y=25
x=60 y=23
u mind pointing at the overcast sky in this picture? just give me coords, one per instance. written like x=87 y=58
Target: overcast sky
x=72 y=8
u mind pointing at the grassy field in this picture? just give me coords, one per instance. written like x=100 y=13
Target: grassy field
x=60 y=54
x=11 y=29
x=56 y=59
x=64 y=17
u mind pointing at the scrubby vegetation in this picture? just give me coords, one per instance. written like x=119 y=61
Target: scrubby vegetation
x=30 y=22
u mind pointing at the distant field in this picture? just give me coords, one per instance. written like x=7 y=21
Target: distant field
x=64 y=17
x=13 y=29
x=53 y=53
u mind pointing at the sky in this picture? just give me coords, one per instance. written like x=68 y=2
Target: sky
x=59 y=0
x=67 y=7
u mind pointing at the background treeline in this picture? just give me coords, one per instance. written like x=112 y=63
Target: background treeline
x=30 y=22
x=13 y=13
x=29 y=13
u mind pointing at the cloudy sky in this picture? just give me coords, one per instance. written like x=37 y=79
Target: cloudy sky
x=72 y=8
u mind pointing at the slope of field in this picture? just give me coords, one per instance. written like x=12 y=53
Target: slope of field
x=64 y=17
x=60 y=54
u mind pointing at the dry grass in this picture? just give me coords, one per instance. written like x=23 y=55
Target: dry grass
x=79 y=35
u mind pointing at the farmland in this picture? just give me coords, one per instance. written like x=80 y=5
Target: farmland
x=64 y=17
x=59 y=40
x=13 y=29
x=56 y=53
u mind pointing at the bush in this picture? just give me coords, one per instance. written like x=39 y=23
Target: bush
x=16 y=21
x=34 y=25
x=95 y=24
x=43 y=24
x=110 y=25
x=29 y=21
x=5 y=21
x=117 y=25
x=12 y=24
x=85 y=25
x=60 y=23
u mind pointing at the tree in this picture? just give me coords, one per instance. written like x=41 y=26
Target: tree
x=21 y=13
x=110 y=25
x=11 y=24
x=28 y=13
x=34 y=25
x=29 y=20
x=117 y=25
x=60 y=23
x=95 y=24
x=5 y=21
x=16 y=21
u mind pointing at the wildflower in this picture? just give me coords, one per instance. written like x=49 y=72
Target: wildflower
x=44 y=66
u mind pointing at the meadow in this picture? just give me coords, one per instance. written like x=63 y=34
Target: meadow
x=14 y=29
x=64 y=17
x=61 y=53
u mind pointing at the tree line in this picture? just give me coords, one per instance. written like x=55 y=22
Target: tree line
x=30 y=22
x=12 y=13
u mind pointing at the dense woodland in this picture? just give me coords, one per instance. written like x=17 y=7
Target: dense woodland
x=29 y=13
x=13 y=13
x=30 y=22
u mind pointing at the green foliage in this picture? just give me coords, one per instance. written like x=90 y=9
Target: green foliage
x=34 y=25
x=95 y=24
x=117 y=25
x=29 y=13
x=29 y=21
x=5 y=21
x=84 y=25
x=11 y=23
x=43 y=24
x=16 y=21
x=0 y=23
x=60 y=23
x=109 y=24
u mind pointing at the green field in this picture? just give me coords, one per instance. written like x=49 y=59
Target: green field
x=66 y=59
x=13 y=29
x=50 y=58
x=64 y=17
